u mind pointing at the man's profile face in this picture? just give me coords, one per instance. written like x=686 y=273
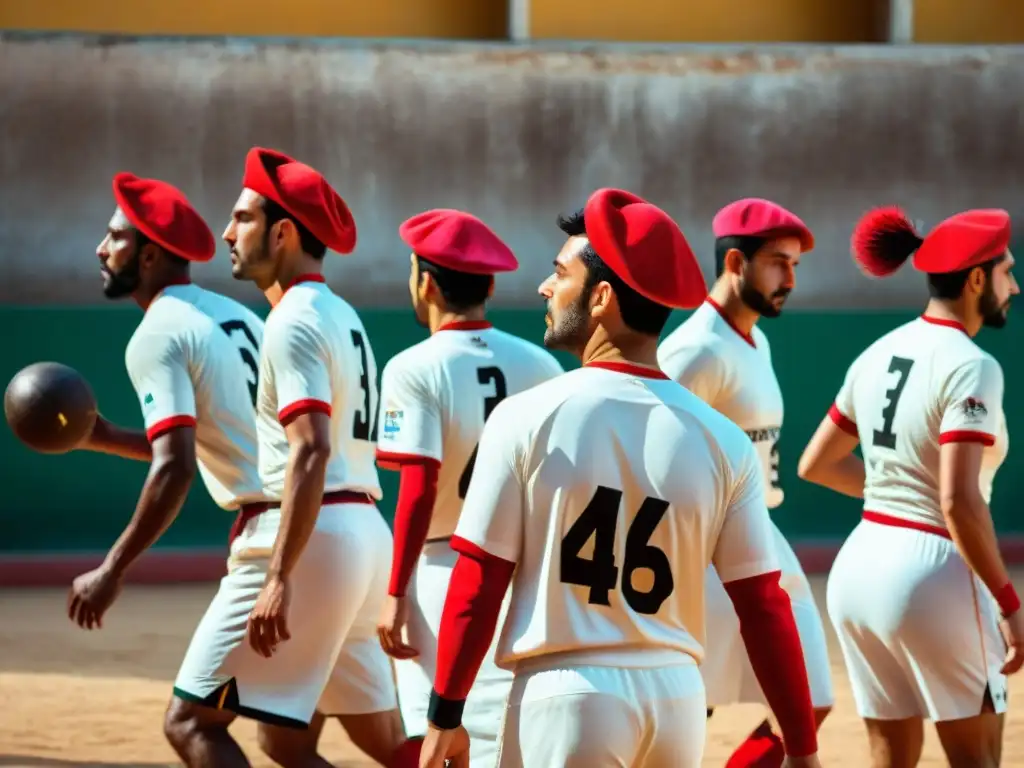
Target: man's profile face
x=118 y=253
x=568 y=315
x=247 y=237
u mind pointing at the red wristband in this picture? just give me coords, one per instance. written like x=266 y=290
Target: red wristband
x=1009 y=602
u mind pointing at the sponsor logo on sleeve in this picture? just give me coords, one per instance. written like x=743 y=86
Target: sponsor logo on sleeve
x=148 y=402
x=393 y=419
x=974 y=410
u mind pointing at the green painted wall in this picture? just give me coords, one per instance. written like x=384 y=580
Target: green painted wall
x=81 y=501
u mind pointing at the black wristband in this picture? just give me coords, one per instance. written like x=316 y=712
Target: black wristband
x=444 y=713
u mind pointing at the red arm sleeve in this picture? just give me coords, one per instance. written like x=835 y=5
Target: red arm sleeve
x=417 y=491
x=773 y=645
x=471 y=609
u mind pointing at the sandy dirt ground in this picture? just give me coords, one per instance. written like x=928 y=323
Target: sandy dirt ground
x=74 y=698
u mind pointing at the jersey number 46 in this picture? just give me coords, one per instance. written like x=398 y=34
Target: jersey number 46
x=600 y=519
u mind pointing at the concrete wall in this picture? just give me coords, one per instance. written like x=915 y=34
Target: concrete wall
x=515 y=134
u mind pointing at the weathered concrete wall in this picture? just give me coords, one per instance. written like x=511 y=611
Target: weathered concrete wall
x=513 y=134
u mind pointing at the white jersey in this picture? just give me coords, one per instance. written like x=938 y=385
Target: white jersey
x=733 y=373
x=436 y=396
x=921 y=385
x=317 y=357
x=192 y=362
x=612 y=491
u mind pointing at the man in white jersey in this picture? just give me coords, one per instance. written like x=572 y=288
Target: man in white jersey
x=606 y=492
x=435 y=397
x=292 y=628
x=192 y=363
x=917 y=589
x=721 y=356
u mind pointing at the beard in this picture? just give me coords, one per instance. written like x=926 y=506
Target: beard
x=245 y=269
x=760 y=303
x=124 y=282
x=570 y=332
x=993 y=314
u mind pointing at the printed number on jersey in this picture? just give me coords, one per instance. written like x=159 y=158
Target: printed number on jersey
x=600 y=573
x=248 y=356
x=885 y=437
x=361 y=421
x=486 y=377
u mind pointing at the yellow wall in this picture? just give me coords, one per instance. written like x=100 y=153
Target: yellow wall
x=716 y=21
x=472 y=19
x=969 y=21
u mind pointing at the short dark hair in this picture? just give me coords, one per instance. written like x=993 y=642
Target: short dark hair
x=461 y=291
x=950 y=285
x=748 y=245
x=639 y=313
x=310 y=244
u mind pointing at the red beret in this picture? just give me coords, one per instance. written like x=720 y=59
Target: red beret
x=884 y=239
x=459 y=241
x=304 y=194
x=645 y=248
x=754 y=217
x=163 y=214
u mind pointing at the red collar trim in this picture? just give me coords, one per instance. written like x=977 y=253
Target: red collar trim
x=728 y=321
x=465 y=325
x=311 y=277
x=948 y=323
x=630 y=368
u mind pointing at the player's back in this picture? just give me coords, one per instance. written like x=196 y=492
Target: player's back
x=628 y=481
x=215 y=341
x=919 y=386
x=457 y=376
x=325 y=359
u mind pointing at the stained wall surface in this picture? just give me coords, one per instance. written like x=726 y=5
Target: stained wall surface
x=514 y=134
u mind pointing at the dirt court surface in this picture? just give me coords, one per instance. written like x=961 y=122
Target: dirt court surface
x=75 y=698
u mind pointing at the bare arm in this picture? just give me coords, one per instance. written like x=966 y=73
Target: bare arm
x=309 y=450
x=167 y=485
x=967 y=515
x=829 y=460
x=118 y=441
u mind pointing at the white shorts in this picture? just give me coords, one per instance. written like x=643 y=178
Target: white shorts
x=605 y=717
x=485 y=706
x=918 y=630
x=333 y=660
x=726 y=668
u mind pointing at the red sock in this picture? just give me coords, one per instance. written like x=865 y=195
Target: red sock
x=407 y=755
x=762 y=749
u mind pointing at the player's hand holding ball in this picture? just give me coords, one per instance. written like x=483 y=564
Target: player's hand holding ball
x=50 y=408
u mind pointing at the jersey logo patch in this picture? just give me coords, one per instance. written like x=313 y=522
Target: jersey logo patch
x=974 y=410
x=476 y=341
x=393 y=422
x=148 y=401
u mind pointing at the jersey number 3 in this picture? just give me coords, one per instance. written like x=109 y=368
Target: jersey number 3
x=599 y=519
x=485 y=376
x=885 y=437
x=248 y=359
x=361 y=429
